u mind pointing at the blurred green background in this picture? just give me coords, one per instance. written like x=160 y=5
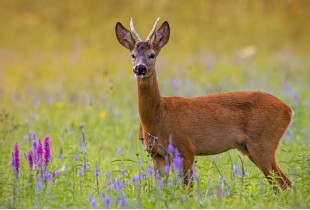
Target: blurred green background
x=44 y=44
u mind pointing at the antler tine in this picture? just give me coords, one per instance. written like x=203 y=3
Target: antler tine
x=134 y=31
x=153 y=31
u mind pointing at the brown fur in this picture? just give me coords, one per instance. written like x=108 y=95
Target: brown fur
x=252 y=122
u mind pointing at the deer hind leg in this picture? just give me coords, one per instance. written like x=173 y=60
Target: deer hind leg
x=187 y=171
x=284 y=181
x=264 y=159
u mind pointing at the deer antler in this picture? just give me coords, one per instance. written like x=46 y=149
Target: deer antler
x=153 y=31
x=134 y=31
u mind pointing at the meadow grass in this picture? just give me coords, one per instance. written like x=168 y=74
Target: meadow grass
x=64 y=75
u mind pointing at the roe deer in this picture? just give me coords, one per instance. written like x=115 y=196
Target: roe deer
x=252 y=122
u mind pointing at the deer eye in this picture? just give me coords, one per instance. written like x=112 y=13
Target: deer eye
x=152 y=56
x=133 y=56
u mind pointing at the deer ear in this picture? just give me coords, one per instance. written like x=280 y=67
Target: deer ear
x=161 y=36
x=124 y=36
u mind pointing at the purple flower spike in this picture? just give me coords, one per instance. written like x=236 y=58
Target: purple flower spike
x=160 y=184
x=142 y=175
x=55 y=174
x=39 y=152
x=107 y=201
x=122 y=201
x=139 y=161
x=167 y=168
x=16 y=157
x=80 y=172
x=157 y=176
x=149 y=170
x=15 y=160
x=118 y=185
x=84 y=166
x=170 y=148
x=177 y=162
x=235 y=169
x=75 y=157
x=46 y=151
x=92 y=202
x=34 y=149
x=96 y=171
x=30 y=159
x=123 y=171
x=242 y=171
x=135 y=178
x=39 y=183
x=47 y=176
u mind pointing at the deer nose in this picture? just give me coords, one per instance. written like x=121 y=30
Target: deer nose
x=140 y=69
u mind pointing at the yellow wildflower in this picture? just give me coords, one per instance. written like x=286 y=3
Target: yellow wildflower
x=58 y=105
x=102 y=114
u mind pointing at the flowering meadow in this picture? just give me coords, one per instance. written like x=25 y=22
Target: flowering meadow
x=68 y=102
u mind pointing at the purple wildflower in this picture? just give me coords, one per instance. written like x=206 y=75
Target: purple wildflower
x=235 y=169
x=55 y=174
x=30 y=159
x=107 y=201
x=122 y=201
x=39 y=183
x=92 y=202
x=149 y=170
x=15 y=160
x=84 y=166
x=120 y=150
x=106 y=174
x=160 y=184
x=118 y=186
x=103 y=194
x=177 y=162
x=46 y=150
x=170 y=148
x=80 y=172
x=122 y=171
x=34 y=147
x=157 y=176
x=167 y=168
x=243 y=172
x=32 y=135
x=75 y=157
x=16 y=157
x=47 y=176
x=139 y=161
x=39 y=152
x=135 y=178
x=142 y=175
x=13 y=163
x=109 y=187
x=96 y=173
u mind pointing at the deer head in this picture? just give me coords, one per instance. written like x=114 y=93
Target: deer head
x=143 y=53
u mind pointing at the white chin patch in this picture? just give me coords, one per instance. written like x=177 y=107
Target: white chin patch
x=139 y=76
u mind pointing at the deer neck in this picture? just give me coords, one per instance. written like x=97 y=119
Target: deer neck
x=149 y=101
